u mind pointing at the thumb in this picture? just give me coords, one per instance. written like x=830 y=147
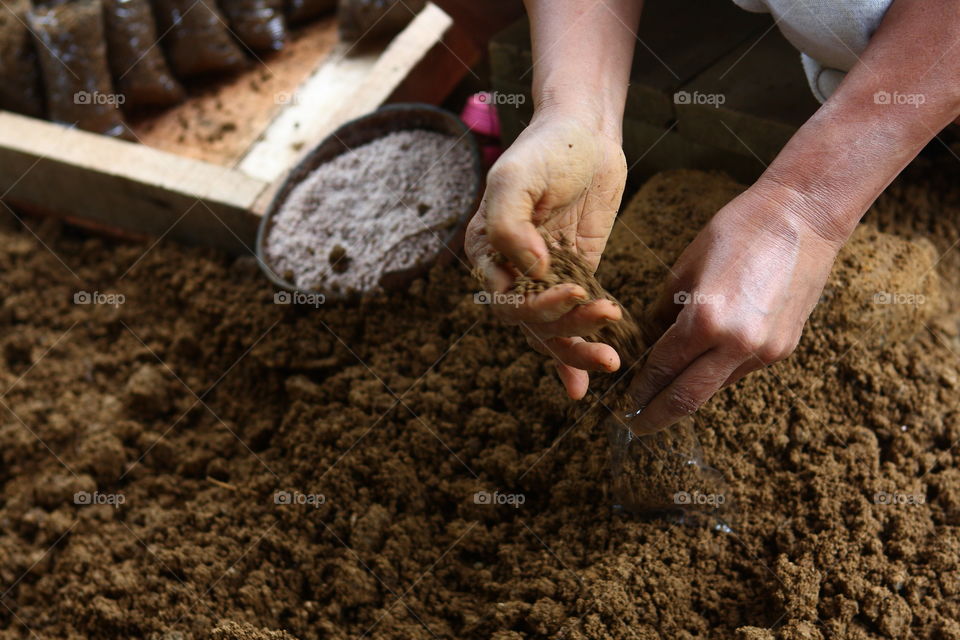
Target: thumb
x=509 y=206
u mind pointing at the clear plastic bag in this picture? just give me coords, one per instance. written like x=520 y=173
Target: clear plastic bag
x=664 y=471
x=373 y=20
x=257 y=23
x=197 y=38
x=20 y=90
x=140 y=72
x=661 y=472
x=73 y=58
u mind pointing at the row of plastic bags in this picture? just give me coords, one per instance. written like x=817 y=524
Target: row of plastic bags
x=80 y=61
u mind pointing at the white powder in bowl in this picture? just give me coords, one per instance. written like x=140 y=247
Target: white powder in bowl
x=385 y=206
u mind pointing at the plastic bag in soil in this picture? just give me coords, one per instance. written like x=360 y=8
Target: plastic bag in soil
x=73 y=59
x=196 y=37
x=20 y=87
x=140 y=72
x=257 y=23
x=664 y=471
x=651 y=473
x=302 y=10
x=374 y=20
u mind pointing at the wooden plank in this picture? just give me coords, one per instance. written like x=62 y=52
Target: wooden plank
x=135 y=188
x=125 y=185
x=346 y=87
x=440 y=70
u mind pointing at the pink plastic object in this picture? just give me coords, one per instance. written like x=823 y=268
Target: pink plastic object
x=480 y=116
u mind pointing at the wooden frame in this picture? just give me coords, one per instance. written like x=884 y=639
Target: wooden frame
x=144 y=191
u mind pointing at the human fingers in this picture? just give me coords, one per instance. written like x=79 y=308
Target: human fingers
x=687 y=392
x=582 y=320
x=509 y=201
x=577 y=352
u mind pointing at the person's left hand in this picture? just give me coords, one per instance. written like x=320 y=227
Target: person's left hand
x=736 y=301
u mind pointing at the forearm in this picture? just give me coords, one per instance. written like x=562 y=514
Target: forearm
x=581 y=58
x=904 y=90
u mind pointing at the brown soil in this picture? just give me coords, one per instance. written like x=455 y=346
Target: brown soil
x=197 y=400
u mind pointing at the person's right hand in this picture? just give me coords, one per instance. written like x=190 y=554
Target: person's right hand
x=565 y=178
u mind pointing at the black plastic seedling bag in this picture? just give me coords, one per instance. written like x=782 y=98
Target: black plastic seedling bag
x=140 y=72
x=303 y=10
x=373 y=20
x=258 y=24
x=196 y=37
x=73 y=59
x=20 y=88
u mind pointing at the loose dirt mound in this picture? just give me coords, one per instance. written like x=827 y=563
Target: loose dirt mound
x=408 y=469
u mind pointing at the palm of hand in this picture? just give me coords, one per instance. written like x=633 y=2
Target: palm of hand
x=572 y=179
x=565 y=179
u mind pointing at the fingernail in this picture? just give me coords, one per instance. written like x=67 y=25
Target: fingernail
x=577 y=292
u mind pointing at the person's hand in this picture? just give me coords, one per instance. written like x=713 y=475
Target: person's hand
x=566 y=178
x=736 y=301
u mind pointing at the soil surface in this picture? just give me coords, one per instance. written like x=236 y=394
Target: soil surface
x=191 y=460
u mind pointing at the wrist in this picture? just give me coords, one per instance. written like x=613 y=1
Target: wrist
x=797 y=214
x=589 y=108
